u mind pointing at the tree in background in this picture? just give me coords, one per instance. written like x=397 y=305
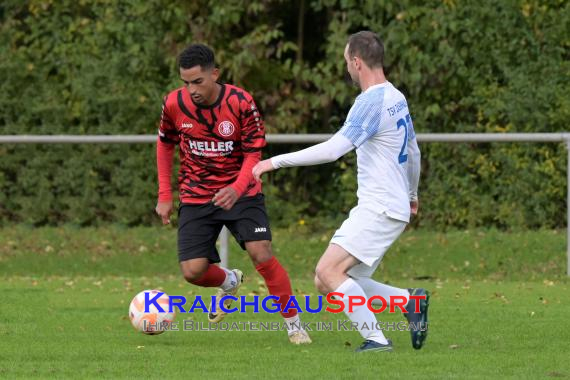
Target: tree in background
x=93 y=67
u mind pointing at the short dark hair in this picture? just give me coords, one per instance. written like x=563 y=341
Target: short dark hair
x=196 y=55
x=367 y=46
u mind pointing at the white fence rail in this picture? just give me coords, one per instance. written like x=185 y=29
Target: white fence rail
x=315 y=138
x=288 y=139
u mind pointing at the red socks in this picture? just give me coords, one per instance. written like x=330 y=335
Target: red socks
x=276 y=279
x=214 y=277
x=278 y=283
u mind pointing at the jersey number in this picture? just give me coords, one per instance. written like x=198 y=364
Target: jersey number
x=404 y=122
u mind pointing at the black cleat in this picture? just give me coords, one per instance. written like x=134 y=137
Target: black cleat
x=372 y=346
x=418 y=319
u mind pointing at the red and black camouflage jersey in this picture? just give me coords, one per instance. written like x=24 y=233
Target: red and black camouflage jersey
x=212 y=140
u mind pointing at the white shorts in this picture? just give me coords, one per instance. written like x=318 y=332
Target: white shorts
x=367 y=235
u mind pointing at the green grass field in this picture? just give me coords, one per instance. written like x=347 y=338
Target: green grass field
x=499 y=309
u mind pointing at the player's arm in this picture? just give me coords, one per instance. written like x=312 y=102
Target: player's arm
x=328 y=151
x=165 y=146
x=414 y=167
x=361 y=123
x=252 y=141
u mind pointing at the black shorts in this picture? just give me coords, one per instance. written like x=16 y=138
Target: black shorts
x=200 y=225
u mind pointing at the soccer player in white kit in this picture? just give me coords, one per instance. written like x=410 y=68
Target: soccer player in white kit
x=380 y=128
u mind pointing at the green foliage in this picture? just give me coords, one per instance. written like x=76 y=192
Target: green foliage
x=93 y=67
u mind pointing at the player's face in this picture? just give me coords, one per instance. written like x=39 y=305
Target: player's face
x=201 y=84
x=351 y=67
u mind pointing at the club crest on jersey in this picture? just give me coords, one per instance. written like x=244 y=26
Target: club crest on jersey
x=226 y=128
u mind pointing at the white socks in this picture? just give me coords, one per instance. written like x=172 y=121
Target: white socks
x=374 y=288
x=293 y=324
x=364 y=318
x=230 y=282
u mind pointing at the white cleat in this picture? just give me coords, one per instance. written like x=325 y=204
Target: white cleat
x=300 y=337
x=220 y=314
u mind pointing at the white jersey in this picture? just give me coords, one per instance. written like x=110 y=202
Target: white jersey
x=379 y=125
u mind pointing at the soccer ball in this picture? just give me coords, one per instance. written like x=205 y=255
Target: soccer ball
x=153 y=322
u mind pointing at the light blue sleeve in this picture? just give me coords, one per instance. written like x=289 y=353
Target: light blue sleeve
x=362 y=122
x=411 y=132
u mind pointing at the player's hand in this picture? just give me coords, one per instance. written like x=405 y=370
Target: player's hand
x=414 y=206
x=164 y=210
x=225 y=198
x=260 y=168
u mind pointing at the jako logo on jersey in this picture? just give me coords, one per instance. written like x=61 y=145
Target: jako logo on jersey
x=211 y=146
x=187 y=125
x=226 y=128
x=260 y=229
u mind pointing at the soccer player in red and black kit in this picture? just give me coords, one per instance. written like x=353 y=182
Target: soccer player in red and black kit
x=220 y=134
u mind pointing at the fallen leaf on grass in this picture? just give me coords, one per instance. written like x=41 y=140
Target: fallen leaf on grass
x=423 y=277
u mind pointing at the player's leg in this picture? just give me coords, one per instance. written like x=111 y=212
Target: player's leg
x=416 y=312
x=331 y=276
x=202 y=273
x=197 y=235
x=387 y=292
x=372 y=288
x=365 y=236
x=388 y=232
x=249 y=224
x=279 y=285
x=362 y=274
